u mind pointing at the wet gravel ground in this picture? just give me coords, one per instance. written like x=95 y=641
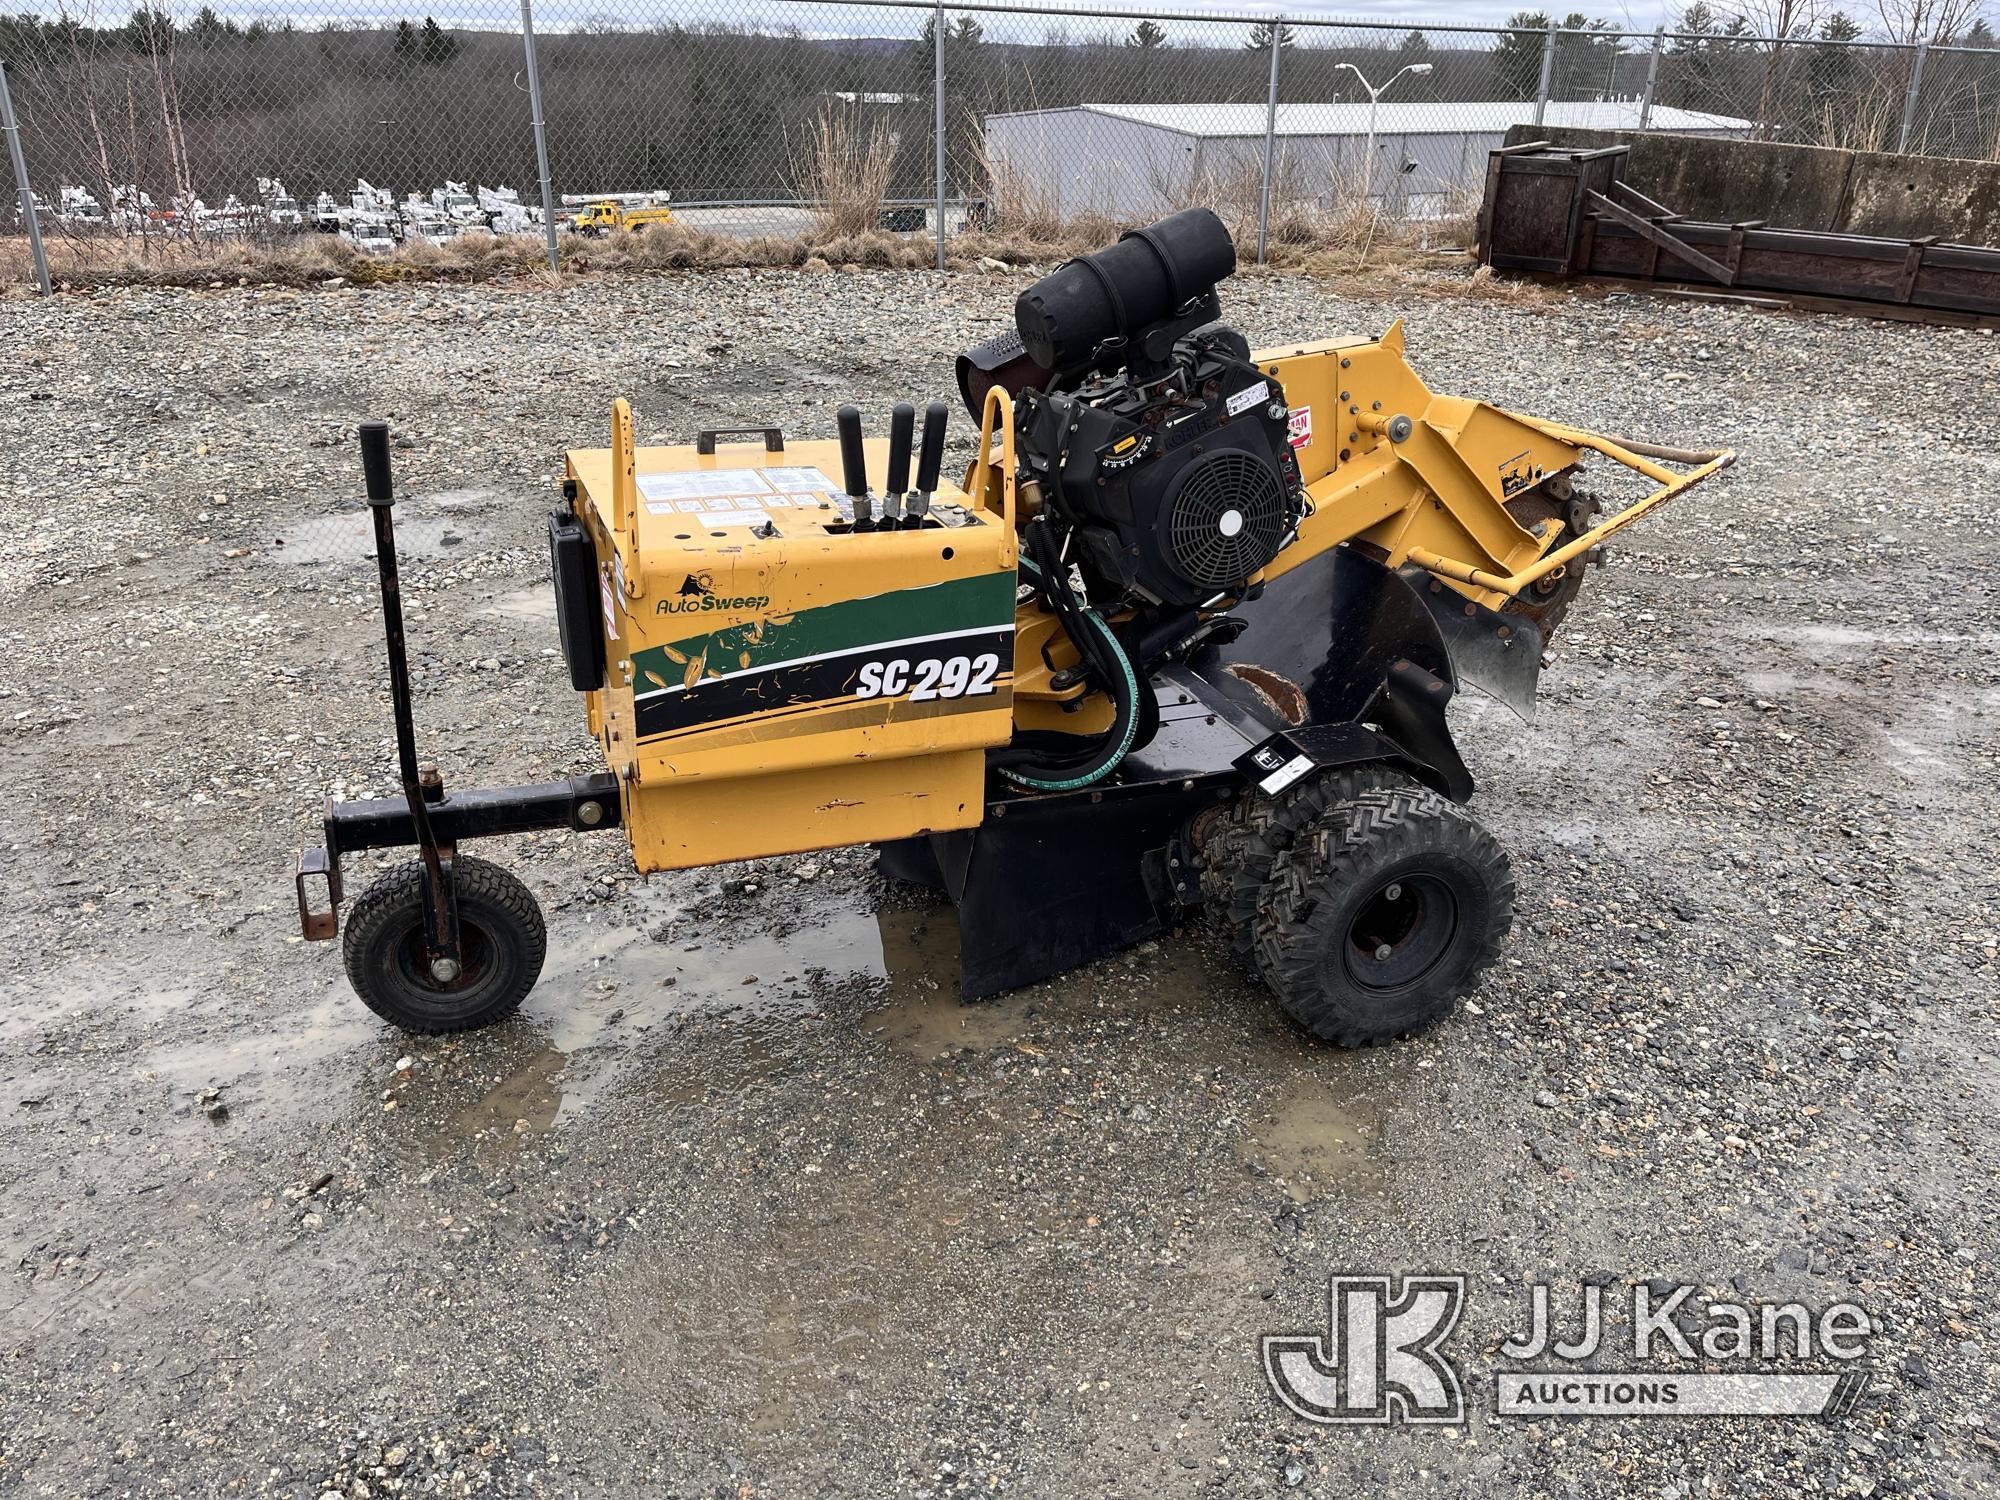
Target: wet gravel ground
x=744 y=1203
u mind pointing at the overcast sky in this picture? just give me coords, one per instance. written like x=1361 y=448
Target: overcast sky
x=818 y=17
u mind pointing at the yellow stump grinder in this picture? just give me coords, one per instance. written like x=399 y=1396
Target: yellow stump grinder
x=1183 y=636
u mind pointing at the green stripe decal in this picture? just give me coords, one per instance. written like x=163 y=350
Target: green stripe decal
x=938 y=609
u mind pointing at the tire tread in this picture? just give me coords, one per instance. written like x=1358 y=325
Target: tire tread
x=1238 y=858
x=385 y=904
x=1365 y=831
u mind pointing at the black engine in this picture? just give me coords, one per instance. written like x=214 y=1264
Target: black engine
x=1162 y=451
x=1175 y=490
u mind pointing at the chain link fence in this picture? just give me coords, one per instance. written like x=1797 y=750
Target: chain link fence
x=176 y=127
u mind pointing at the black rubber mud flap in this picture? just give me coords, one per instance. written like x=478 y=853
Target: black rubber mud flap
x=1055 y=882
x=1333 y=627
x=1410 y=709
x=1357 y=644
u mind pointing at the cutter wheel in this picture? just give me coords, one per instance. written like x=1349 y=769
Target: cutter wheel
x=1555 y=506
x=1185 y=635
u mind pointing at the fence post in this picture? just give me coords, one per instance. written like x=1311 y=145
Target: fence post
x=1910 y=98
x=1548 y=71
x=1652 y=78
x=937 y=123
x=28 y=220
x=541 y=136
x=1270 y=139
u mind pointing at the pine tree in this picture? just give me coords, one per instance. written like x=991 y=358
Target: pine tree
x=1260 y=38
x=436 y=47
x=406 y=43
x=1517 y=61
x=1697 y=18
x=1147 y=36
x=1833 y=73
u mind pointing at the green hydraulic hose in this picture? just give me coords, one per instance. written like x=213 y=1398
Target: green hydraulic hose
x=1073 y=783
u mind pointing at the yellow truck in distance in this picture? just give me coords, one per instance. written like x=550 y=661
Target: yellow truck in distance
x=609 y=215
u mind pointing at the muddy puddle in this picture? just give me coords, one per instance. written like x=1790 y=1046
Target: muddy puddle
x=533 y=605
x=693 y=1008
x=618 y=997
x=1318 y=1137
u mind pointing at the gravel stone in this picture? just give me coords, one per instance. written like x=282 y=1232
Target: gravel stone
x=826 y=1231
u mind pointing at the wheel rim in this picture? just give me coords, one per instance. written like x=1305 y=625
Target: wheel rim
x=1400 y=932
x=414 y=969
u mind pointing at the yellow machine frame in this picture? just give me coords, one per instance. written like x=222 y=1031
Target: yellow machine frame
x=1391 y=467
x=1412 y=476
x=775 y=674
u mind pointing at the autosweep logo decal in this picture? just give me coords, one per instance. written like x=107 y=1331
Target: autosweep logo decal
x=697 y=596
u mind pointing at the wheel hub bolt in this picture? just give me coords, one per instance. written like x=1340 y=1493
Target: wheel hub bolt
x=444 y=970
x=1384 y=951
x=1394 y=893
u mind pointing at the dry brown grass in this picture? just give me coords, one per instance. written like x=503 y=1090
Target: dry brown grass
x=1027 y=231
x=844 y=172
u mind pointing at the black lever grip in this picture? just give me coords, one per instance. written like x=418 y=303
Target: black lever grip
x=375 y=463
x=933 y=455
x=902 y=430
x=853 y=462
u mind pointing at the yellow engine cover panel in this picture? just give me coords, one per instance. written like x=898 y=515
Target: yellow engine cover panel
x=778 y=682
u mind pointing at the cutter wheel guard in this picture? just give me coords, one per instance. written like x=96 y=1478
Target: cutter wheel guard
x=1183 y=636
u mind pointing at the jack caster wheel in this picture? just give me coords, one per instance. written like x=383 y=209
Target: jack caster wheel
x=1381 y=914
x=501 y=932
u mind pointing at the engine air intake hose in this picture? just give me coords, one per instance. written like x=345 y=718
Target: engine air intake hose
x=1148 y=276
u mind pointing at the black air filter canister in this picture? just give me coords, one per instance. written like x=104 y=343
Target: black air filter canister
x=1142 y=280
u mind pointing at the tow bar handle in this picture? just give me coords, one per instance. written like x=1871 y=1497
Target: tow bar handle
x=441 y=906
x=375 y=464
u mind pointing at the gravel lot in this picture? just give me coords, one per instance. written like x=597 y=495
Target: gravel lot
x=745 y=1204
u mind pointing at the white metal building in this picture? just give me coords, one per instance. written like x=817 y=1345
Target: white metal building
x=1136 y=160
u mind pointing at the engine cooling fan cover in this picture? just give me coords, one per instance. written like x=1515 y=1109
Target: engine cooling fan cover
x=1226 y=517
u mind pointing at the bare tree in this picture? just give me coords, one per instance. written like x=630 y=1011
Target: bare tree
x=82 y=58
x=1781 y=21
x=1935 y=21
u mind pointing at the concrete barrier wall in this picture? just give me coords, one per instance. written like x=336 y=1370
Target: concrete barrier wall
x=1802 y=187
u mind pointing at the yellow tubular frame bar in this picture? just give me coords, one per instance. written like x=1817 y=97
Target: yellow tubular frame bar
x=1633 y=456
x=990 y=468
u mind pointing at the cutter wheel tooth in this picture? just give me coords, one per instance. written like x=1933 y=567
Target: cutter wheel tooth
x=1381 y=915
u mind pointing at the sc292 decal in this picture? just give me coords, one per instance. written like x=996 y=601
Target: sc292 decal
x=930 y=677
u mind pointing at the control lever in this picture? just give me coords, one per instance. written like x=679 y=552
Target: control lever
x=928 y=464
x=854 y=466
x=902 y=429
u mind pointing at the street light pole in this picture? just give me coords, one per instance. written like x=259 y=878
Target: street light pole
x=1374 y=102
